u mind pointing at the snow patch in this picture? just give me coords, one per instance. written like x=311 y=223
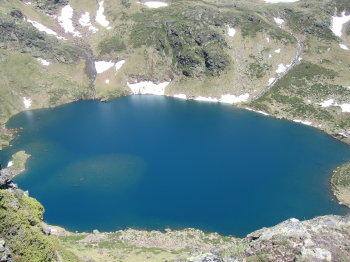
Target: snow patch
x=155 y=4
x=148 y=87
x=232 y=99
x=342 y=46
x=28 y=3
x=308 y=123
x=338 y=22
x=10 y=164
x=278 y=50
x=27 y=102
x=271 y=80
x=84 y=20
x=206 y=99
x=278 y=21
x=231 y=31
x=257 y=111
x=267 y=39
x=345 y=108
x=100 y=17
x=270 y=56
x=181 y=96
x=107 y=81
x=281 y=69
x=227 y=99
x=45 y=29
x=65 y=20
x=43 y=61
x=342 y=134
x=119 y=64
x=327 y=103
x=102 y=66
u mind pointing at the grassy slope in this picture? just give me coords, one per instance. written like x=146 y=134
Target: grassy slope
x=63 y=81
x=22 y=230
x=341 y=183
x=322 y=74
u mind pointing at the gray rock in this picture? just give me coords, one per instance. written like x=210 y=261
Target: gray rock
x=5 y=179
x=5 y=253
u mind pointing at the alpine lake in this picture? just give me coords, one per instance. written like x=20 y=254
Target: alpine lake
x=153 y=162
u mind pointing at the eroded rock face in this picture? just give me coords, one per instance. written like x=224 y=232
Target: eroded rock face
x=5 y=179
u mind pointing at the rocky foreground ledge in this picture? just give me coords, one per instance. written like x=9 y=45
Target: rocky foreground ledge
x=324 y=238
x=24 y=237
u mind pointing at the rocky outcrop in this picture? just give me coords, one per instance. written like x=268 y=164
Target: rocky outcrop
x=5 y=253
x=5 y=179
x=18 y=35
x=320 y=239
x=49 y=6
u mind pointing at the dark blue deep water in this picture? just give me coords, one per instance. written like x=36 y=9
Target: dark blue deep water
x=153 y=162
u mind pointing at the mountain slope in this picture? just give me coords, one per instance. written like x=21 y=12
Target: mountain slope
x=283 y=59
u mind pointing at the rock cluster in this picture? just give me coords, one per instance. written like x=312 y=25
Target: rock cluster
x=5 y=179
x=5 y=253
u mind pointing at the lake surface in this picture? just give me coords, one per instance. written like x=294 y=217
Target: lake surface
x=152 y=162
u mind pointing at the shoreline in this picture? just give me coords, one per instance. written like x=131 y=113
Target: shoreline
x=240 y=105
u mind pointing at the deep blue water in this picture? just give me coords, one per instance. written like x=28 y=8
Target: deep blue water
x=153 y=162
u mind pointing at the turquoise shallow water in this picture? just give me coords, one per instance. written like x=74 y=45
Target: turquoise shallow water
x=153 y=162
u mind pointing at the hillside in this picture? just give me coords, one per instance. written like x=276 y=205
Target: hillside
x=288 y=60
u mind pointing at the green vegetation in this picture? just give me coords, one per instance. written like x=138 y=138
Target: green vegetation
x=19 y=35
x=19 y=159
x=341 y=176
x=111 y=45
x=307 y=81
x=257 y=68
x=341 y=183
x=195 y=45
x=22 y=230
